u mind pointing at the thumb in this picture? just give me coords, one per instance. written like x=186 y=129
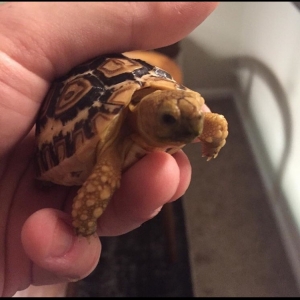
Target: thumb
x=56 y=253
x=55 y=36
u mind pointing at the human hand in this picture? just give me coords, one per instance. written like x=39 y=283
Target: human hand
x=42 y=41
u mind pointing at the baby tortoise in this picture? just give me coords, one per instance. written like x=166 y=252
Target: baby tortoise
x=107 y=113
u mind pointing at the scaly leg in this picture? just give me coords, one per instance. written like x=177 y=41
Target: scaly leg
x=213 y=136
x=93 y=197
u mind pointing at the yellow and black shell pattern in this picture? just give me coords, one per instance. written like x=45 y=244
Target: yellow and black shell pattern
x=79 y=108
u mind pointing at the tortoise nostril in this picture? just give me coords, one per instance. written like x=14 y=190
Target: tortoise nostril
x=168 y=119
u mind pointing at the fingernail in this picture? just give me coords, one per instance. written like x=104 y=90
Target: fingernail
x=155 y=212
x=63 y=239
x=73 y=279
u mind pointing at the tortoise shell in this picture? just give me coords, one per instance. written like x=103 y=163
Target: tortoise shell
x=82 y=105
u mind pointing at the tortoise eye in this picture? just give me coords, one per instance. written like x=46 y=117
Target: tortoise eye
x=168 y=119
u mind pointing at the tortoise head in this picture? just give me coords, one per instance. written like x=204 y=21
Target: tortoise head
x=169 y=117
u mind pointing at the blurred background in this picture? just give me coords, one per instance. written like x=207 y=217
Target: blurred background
x=250 y=51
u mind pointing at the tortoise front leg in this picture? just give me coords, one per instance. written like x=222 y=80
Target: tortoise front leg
x=213 y=136
x=93 y=197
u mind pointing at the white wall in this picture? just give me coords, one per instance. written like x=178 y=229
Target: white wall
x=254 y=49
x=270 y=37
x=270 y=33
x=209 y=49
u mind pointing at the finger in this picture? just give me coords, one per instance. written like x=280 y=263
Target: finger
x=205 y=108
x=49 y=38
x=57 y=254
x=185 y=174
x=145 y=187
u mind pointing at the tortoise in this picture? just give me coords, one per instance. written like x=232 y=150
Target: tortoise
x=104 y=115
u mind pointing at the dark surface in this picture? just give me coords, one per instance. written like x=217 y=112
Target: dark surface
x=138 y=264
